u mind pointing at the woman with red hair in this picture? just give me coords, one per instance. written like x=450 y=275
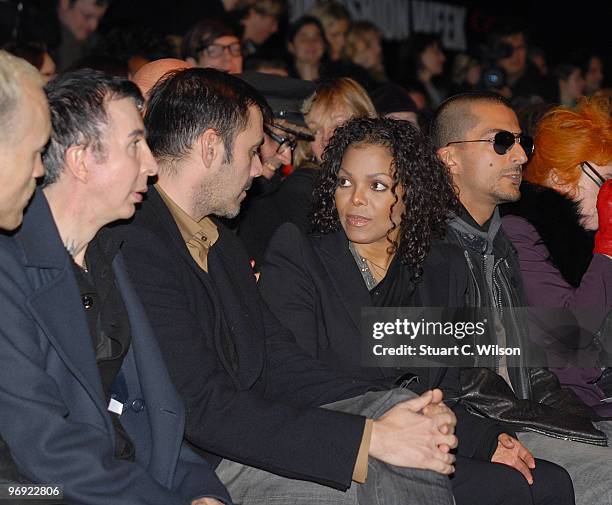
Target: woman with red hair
x=562 y=229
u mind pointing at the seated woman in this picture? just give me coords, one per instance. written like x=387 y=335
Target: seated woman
x=380 y=204
x=552 y=225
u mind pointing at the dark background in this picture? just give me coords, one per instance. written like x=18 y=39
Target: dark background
x=556 y=27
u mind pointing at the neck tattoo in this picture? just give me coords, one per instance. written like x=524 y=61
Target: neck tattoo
x=71 y=247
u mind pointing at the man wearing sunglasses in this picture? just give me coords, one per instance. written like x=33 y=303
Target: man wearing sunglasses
x=478 y=139
x=260 y=214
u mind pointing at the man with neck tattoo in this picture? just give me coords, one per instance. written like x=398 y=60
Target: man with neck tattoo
x=86 y=401
x=478 y=138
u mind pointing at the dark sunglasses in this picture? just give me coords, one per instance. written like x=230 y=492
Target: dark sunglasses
x=598 y=179
x=283 y=142
x=503 y=141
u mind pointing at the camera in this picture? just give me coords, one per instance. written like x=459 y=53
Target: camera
x=493 y=78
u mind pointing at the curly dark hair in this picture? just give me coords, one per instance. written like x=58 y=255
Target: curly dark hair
x=429 y=194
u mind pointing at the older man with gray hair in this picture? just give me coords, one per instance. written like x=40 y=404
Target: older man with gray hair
x=24 y=116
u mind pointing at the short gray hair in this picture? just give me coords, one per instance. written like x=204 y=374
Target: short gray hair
x=13 y=72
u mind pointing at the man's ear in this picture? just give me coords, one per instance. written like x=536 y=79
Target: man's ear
x=290 y=48
x=447 y=156
x=211 y=147
x=75 y=162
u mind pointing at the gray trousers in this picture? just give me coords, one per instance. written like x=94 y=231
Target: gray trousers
x=589 y=466
x=386 y=484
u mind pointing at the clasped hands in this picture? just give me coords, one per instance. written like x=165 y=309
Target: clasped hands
x=416 y=433
x=419 y=433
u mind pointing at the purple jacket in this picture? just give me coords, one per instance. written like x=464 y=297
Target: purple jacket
x=549 y=283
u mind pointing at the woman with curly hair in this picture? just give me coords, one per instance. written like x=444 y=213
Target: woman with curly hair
x=381 y=203
x=562 y=228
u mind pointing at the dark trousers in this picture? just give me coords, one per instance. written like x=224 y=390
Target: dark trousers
x=497 y=484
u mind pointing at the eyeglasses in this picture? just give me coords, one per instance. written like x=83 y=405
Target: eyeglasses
x=217 y=50
x=598 y=179
x=284 y=143
x=503 y=141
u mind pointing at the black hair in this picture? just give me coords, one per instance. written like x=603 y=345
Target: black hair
x=77 y=101
x=582 y=58
x=300 y=23
x=204 y=33
x=416 y=46
x=102 y=62
x=128 y=40
x=429 y=196
x=185 y=103
x=454 y=118
x=563 y=71
x=506 y=27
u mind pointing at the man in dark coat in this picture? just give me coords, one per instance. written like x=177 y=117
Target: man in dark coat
x=478 y=139
x=87 y=405
x=252 y=395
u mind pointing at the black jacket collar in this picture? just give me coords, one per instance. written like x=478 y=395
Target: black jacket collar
x=343 y=272
x=556 y=218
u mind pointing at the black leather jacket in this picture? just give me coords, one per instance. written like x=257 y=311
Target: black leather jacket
x=536 y=401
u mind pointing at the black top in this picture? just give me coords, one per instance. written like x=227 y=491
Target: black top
x=314 y=286
x=108 y=323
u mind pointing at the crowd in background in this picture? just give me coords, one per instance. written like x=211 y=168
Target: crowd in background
x=476 y=179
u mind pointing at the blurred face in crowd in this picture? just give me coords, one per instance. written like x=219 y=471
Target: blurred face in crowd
x=514 y=65
x=364 y=196
x=433 y=59
x=82 y=17
x=335 y=33
x=121 y=172
x=483 y=177
x=323 y=121
x=223 y=189
x=308 y=45
x=277 y=149
x=48 y=68
x=21 y=146
x=572 y=88
x=258 y=26
x=539 y=61
x=225 y=54
x=594 y=75
x=368 y=51
x=587 y=190
x=419 y=99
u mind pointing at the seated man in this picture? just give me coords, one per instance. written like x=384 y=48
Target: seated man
x=86 y=400
x=478 y=138
x=252 y=395
x=24 y=115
